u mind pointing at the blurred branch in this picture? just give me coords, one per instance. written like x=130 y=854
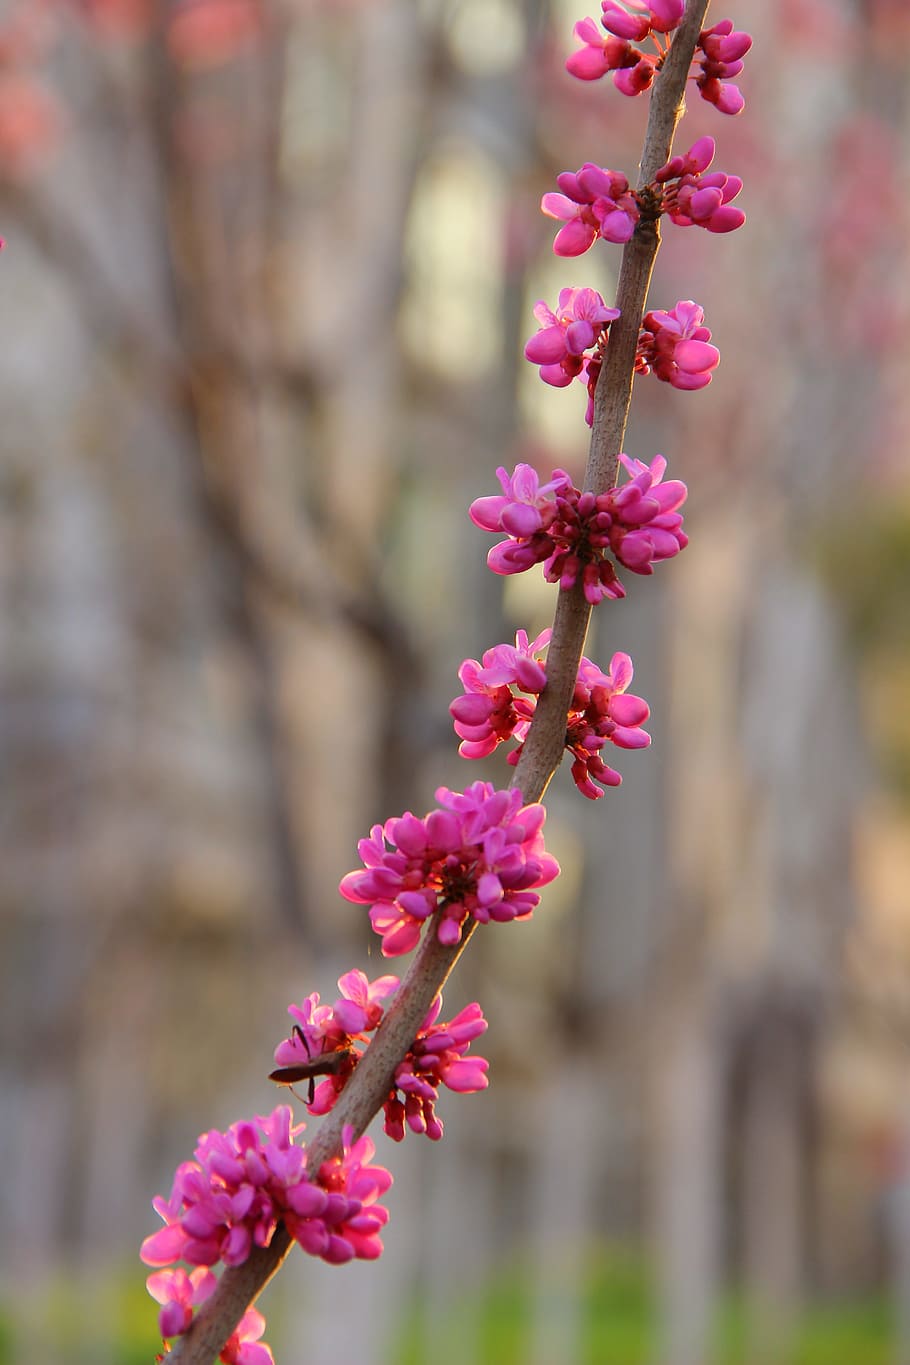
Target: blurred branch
x=295 y=569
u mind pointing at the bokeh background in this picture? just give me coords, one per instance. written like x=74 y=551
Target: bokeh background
x=270 y=266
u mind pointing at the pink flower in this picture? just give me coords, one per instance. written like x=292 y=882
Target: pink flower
x=325 y=1038
x=691 y=196
x=598 y=712
x=674 y=345
x=436 y=1058
x=637 y=19
x=243 y=1346
x=490 y=712
x=601 y=711
x=480 y=854
x=634 y=70
x=607 y=53
x=595 y=202
x=637 y=523
x=353 y=1188
x=242 y=1183
x=525 y=504
x=179 y=1293
x=564 y=336
x=647 y=527
x=723 y=50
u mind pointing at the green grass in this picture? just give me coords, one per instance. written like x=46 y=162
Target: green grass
x=618 y=1325
x=112 y=1322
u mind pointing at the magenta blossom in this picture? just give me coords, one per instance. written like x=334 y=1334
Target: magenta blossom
x=674 y=345
x=723 y=50
x=635 y=70
x=436 y=1057
x=637 y=19
x=595 y=202
x=637 y=523
x=524 y=510
x=180 y=1293
x=242 y=1183
x=353 y=1188
x=325 y=1037
x=602 y=711
x=691 y=197
x=604 y=52
x=481 y=856
x=598 y=712
x=325 y=1028
x=559 y=346
x=490 y=712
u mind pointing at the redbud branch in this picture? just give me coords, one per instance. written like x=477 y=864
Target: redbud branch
x=369 y=1086
x=545 y=743
x=357 y=1104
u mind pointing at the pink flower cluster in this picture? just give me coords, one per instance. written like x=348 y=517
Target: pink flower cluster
x=674 y=345
x=722 y=51
x=480 y=854
x=571 y=532
x=245 y=1181
x=559 y=346
x=691 y=197
x=435 y=1058
x=492 y=709
x=601 y=710
x=180 y=1293
x=324 y=1036
x=595 y=202
x=490 y=712
x=634 y=71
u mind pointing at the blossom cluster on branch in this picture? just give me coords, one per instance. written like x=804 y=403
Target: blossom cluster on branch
x=478 y=857
x=480 y=854
x=500 y=697
x=329 y=1039
x=572 y=343
x=580 y=534
x=721 y=47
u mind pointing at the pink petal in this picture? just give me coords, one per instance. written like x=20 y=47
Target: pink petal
x=548 y=346
x=558 y=206
x=588 y=64
x=696 y=356
x=575 y=238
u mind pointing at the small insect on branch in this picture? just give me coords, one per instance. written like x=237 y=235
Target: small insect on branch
x=325 y=1064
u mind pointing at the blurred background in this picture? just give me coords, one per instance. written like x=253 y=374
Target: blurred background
x=270 y=267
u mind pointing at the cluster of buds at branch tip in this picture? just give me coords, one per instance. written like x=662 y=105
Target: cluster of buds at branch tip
x=721 y=47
